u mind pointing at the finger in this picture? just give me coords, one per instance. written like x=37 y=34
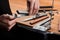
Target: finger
x=6 y=19
x=6 y=16
x=11 y=22
x=11 y=17
x=10 y=27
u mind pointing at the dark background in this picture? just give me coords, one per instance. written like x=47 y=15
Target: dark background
x=5 y=7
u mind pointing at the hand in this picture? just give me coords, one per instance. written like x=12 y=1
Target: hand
x=33 y=6
x=7 y=21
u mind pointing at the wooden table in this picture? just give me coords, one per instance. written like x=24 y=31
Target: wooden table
x=54 y=24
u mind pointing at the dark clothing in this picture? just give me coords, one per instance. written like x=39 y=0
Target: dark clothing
x=5 y=7
x=21 y=33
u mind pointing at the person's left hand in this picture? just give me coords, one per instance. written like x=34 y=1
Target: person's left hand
x=7 y=21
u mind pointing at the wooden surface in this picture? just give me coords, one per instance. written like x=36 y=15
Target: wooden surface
x=21 y=5
x=54 y=24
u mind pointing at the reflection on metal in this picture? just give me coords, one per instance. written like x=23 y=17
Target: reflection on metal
x=44 y=27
